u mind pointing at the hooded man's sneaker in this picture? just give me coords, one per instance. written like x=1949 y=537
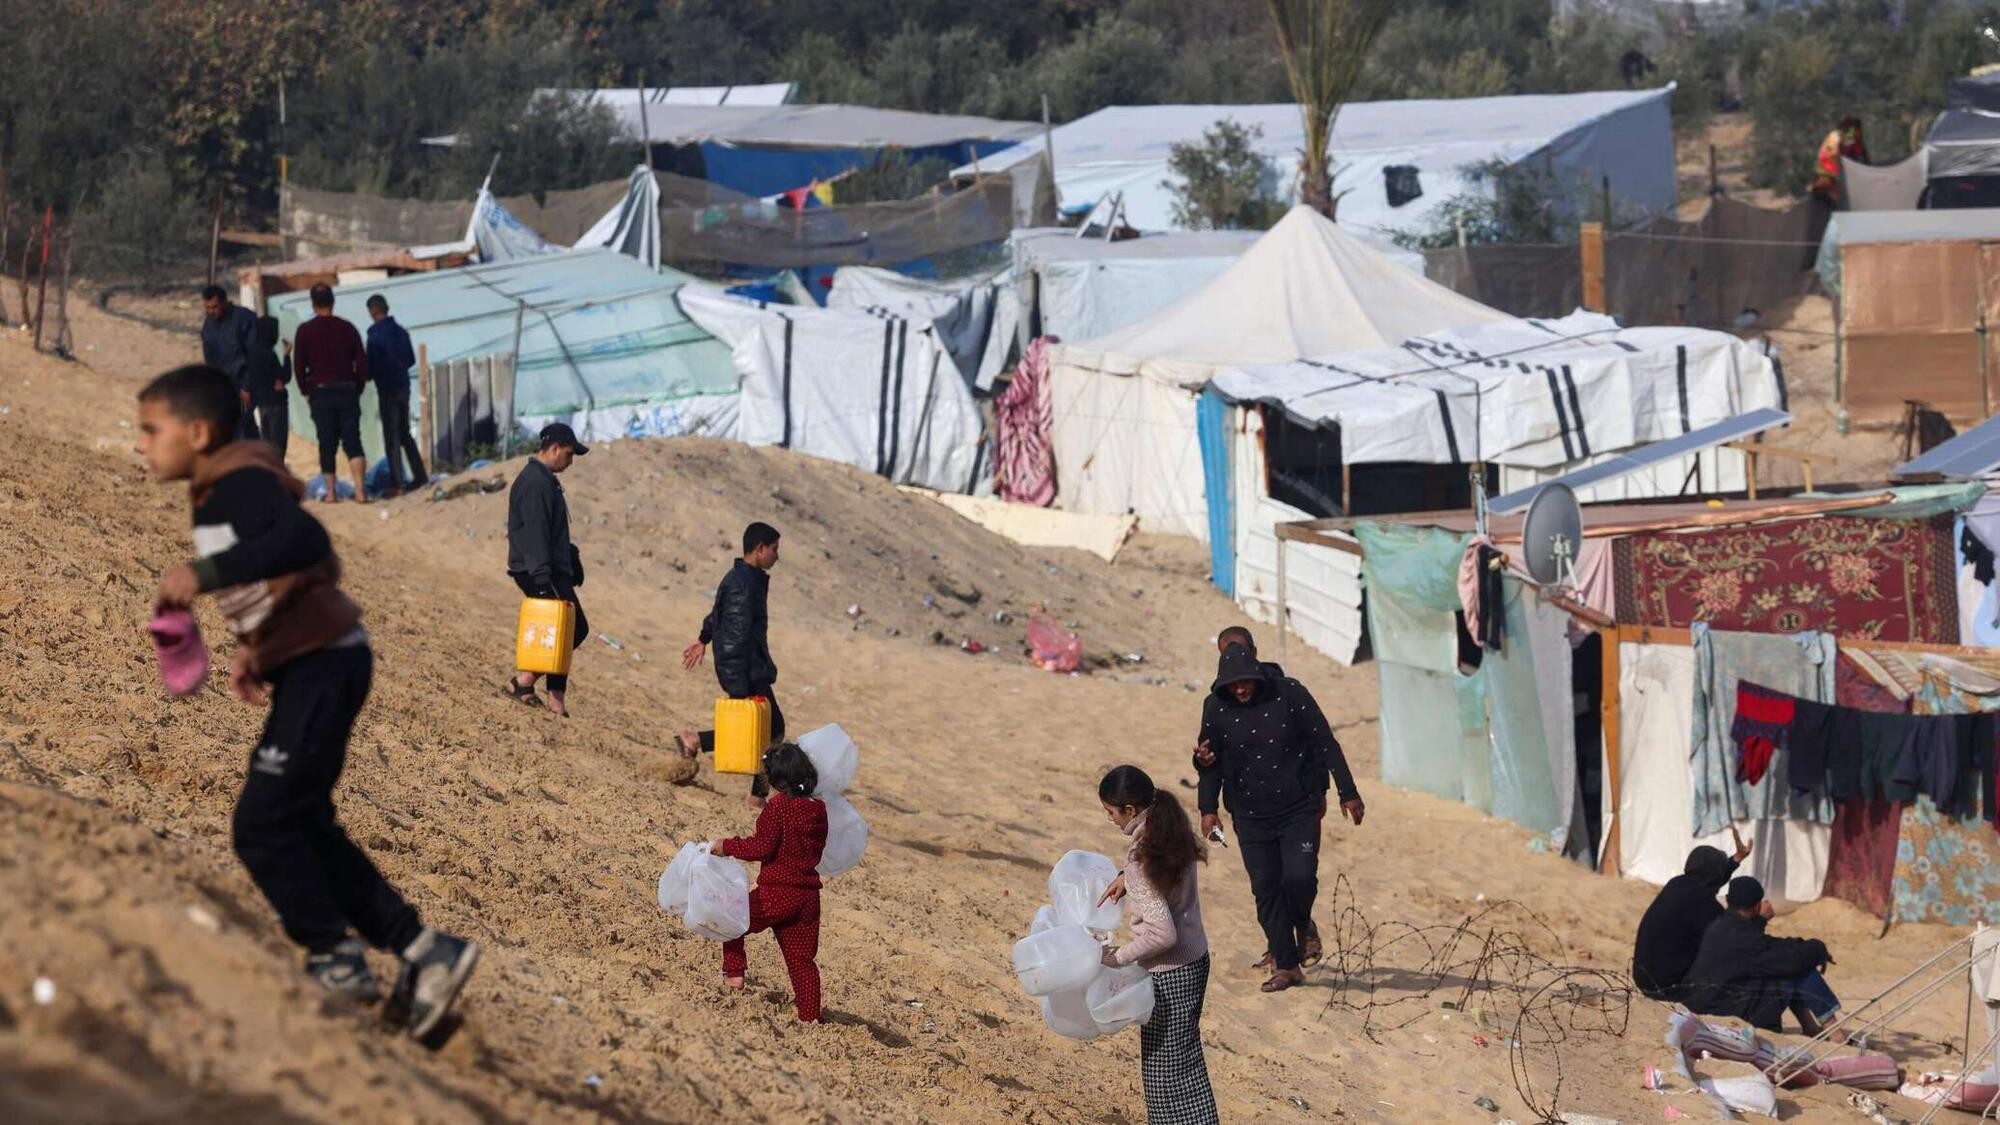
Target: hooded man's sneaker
x=343 y=971
x=434 y=969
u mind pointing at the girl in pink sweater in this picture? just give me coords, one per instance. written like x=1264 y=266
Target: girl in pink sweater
x=1164 y=909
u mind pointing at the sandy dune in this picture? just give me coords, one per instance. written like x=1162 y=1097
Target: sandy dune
x=176 y=997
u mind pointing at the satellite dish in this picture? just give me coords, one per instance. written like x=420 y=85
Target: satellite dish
x=1551 y=535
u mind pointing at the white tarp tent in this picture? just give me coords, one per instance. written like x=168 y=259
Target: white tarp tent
x=1124 y=404
x=1082 y=288
x=1530 y=393
x=1382 y=152
x=875 y=391
x=974 y=318
x=632 y=228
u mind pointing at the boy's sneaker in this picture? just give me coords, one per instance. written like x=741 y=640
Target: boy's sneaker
x=343 y=971
x=434 y=969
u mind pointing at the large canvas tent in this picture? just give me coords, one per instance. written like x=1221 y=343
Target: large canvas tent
x=975 y=318
x=600 y=342
x=1124 y=432
x=1916 y=294
x=878 y=391
x=1397 y=160
x=1075 y=288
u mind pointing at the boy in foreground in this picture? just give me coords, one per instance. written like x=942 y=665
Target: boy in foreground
x=300 y=642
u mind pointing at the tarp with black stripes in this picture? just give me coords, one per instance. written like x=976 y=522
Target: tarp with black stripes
x=1532 y=392
x=871 y=389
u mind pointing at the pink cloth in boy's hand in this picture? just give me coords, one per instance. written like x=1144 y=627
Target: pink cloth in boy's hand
x=183 y=656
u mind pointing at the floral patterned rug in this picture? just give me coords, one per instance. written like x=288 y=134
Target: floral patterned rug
x=1879 y=579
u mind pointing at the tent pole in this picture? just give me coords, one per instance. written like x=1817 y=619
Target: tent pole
x=645 y=130
x=1608 y=860
x=1590 y=247
x=427 y=402
x=1283 y=616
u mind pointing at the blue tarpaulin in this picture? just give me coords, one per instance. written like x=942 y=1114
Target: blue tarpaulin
x=1211 y=419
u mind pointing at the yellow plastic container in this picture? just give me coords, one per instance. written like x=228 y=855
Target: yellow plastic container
x=742 y=731
x=542 y=640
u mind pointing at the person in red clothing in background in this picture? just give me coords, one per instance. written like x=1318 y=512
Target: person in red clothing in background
x=791 y=834
x=331 y=366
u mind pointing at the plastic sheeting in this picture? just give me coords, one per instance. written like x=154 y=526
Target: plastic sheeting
x=1530 y=705
x=1322 y=584
x=1084 y=288
x=873 y=391
x=1520 y=392
x=1576 y=139
x=1887 y=187
x=601 y=339
x=973 y=317
x=1964 y=142
x=1212 y=428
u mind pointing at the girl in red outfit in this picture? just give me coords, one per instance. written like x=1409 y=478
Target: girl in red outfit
x=791 y=834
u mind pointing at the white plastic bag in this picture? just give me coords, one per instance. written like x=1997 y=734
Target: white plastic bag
x=674 y=880
x=1068 y=1015
x=834 y=757
x=718 y=904
x=846 y=837
x=1045 y=919
x=1062 y=959
x=1078 y=881
x=1120 y=997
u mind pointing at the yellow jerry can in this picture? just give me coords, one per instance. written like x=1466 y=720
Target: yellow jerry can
x=542 y=640
x=742 y=731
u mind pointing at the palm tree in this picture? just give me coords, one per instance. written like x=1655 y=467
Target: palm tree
x=1324 y=44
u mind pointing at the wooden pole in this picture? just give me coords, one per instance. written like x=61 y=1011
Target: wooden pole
x=1609 y=718
x=426 y=402
x=1714 y=180
x=215 y=237
x=42 y=283
x=64 y=343
x=1590 y=248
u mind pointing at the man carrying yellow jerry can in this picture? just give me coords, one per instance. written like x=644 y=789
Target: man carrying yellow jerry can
x=546 y=566
x=747 y=719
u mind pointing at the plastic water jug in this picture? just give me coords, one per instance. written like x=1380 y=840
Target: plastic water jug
x=1078 y=881
x=846 y=838
x=742 y=733
x=1120 y=997
x=834 y=757
x=542 y=638
x=1057 y=960
x=674 y=880
x=718 y=904
x=1067 y=1014
x=1045 y=919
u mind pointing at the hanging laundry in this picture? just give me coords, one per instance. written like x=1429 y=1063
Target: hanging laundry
x=1490 y=628
x=1799 y=665
x=1978 y=554
x=1026 y=469
x=1763 y=722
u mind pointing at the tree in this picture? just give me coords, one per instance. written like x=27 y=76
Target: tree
x=1508 y=203
x=1323 y=44
x=1224 y=183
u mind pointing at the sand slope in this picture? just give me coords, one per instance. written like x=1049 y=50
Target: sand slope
x=177 y=996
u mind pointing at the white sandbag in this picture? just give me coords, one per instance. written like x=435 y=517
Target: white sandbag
x=1068 y=1014
x=846 y=837
x=1078 y=881
x=1120 y=997
x=674 y=880
x=1062 y=959
x=718 y=905
x=1045 y=919
x=834 y=757
x=1748 y=1093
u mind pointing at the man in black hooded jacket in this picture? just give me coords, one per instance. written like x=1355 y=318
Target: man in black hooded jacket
x=1670 y=933
x=1742 y=971
x=1265 y=751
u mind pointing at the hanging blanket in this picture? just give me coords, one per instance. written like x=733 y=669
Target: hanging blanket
x=1882 y=579
x=1026 y=473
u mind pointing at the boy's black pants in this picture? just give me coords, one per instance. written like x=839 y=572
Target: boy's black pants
x=319 y=882
x=1282 y=856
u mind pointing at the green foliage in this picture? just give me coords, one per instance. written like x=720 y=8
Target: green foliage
x=1223 y=183
x=134 y=222
x=1112 y=62
x=1508 y=203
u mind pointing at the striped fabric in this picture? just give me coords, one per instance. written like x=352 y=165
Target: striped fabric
x=1025 y=470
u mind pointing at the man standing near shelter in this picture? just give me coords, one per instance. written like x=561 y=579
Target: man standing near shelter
x=390 y=358
x=1266 y=749
x=331 y=366
x=269 y=376
x=540 y=558
x=228 y=337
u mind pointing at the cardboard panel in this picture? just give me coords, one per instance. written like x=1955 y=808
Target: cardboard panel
x=1900 y=289
x=1989 y=278
x=1942 y=370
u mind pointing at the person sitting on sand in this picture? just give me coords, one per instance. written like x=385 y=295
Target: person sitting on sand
x=1742 y=971
x=1164 y=906
x=1265 y=749
x=790 y=837
x=1670 y=932
x=739 y=625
